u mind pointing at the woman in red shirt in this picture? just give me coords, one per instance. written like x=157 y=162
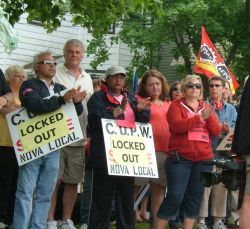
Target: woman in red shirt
x=153 y=84
x=191 y=123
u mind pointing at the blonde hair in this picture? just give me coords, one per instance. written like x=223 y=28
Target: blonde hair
x=188 y=79
x=96 y=83
x=12 y=70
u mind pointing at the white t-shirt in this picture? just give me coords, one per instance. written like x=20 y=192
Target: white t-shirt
x=66 y=78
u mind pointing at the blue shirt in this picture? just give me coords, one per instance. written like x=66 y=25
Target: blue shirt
x=228 y=115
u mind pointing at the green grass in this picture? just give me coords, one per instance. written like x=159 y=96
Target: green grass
x=138 y=226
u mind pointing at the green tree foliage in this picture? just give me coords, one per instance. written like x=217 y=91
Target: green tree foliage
x=147 y=25
x=98 y=15
x=226 y=21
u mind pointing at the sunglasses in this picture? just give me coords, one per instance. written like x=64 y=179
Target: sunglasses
x=47 y=62
x=176 y=89
x=193 y=85
x=215 y=85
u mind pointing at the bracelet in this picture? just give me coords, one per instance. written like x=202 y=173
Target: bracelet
x=5 y=96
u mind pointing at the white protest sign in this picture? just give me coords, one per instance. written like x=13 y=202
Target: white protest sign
x=226 y=143
x=36 y=136
x=129 y=151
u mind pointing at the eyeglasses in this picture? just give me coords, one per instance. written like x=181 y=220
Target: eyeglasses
x=48 y=62
x=193 y=85
x=215 y=85
x=176 y=89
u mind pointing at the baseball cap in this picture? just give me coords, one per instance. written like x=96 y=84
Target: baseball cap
x=115 y=70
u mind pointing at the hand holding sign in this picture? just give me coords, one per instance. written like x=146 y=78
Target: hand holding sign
x=206 y=112
x=225 y=128
x=144 y=104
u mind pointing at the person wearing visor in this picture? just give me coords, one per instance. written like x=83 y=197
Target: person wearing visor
x=111 y=102
x=39 y=176
x=192 y=122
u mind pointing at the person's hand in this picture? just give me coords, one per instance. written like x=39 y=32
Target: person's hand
x=3 y=102
x=124 y=102
x=206 y=112
x=79 y=96
x=144 y=104
x=69 y=95
x=120 y=110
x=225 y=128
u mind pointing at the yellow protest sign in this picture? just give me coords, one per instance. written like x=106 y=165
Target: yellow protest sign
x=43 y=129
x=127 y=150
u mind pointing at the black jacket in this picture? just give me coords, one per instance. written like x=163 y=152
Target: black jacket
x=241 y=140
x=33 y=92
x=101 y=105
x=3 y=85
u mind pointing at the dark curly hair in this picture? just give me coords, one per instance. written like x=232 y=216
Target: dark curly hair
x=173 y=85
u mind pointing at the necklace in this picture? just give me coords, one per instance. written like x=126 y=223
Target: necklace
x=158 y=102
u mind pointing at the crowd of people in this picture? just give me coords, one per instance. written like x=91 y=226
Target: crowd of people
x=186 y=131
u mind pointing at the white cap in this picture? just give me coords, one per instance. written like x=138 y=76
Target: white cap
x=115 y=70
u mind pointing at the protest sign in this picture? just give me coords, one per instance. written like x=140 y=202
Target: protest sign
x=226 y=143
x=36 y=136
x=129 y=151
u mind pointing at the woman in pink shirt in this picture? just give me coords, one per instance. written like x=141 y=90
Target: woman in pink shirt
x=153 y=84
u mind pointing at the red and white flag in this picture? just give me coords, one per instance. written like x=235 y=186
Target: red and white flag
x=210 y=63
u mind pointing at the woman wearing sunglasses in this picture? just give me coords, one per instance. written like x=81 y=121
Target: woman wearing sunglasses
x=175 y=91
x=191 y=123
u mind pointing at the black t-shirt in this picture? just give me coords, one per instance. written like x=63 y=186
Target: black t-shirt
x=3 y=85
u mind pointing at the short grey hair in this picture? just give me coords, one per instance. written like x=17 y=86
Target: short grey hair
x=37 y=57
x=76 y=42
x=12 y=70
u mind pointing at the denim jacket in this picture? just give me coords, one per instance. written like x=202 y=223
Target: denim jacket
x=227 y=115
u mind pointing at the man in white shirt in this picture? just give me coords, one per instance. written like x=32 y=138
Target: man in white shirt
x=71 y=75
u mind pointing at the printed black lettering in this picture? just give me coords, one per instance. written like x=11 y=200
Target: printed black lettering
x=59 y=116
x=144 y=131
x=119 y=169
x=123 y=130
x=108 y=128
x=38 y=139
x=15 y=119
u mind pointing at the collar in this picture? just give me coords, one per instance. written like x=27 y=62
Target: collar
x=70 y=73
x=183 y=100
x=218 y=105
x=109 y=95
x=45 y=82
